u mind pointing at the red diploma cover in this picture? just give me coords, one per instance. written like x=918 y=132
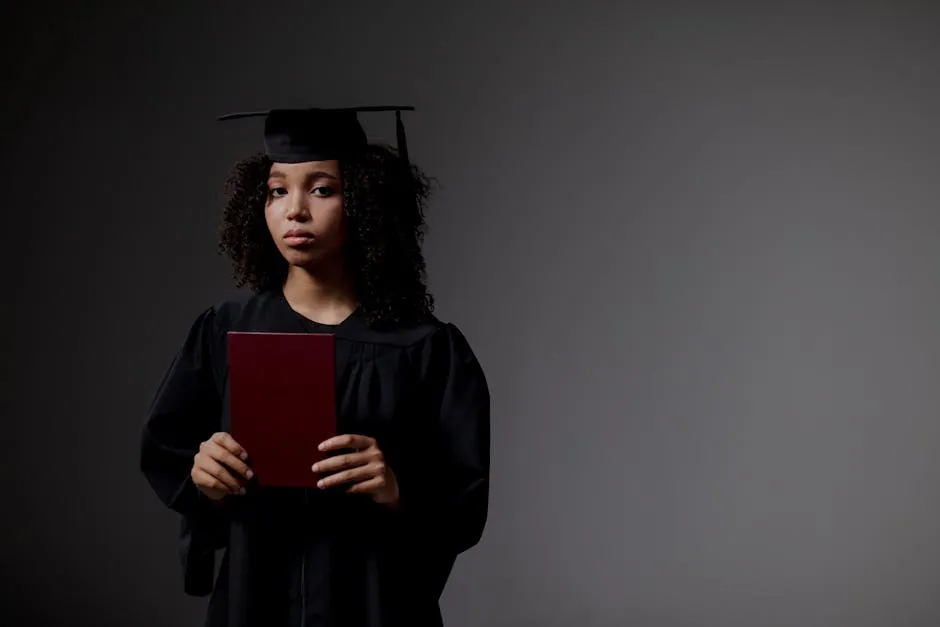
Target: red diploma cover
x=282 y=402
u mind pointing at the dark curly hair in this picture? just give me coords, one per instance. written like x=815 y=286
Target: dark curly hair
x=384 y=199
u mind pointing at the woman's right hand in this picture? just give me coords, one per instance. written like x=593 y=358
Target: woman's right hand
x=219 y=468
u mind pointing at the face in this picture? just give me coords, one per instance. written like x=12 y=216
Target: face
x=304 y=211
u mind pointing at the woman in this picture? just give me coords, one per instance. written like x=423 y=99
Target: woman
x=326 y=228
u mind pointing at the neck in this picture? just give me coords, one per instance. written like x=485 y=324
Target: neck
x=324 y=295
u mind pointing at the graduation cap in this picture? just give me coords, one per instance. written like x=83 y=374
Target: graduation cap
x=316 y=134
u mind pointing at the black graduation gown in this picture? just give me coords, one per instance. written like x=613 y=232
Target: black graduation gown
x=312 y=558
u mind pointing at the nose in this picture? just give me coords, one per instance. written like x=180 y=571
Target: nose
x=297 y=209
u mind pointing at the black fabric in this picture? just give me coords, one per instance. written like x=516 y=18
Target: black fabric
x=311 y=558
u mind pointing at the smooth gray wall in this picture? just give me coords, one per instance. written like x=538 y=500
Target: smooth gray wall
x=694 y=244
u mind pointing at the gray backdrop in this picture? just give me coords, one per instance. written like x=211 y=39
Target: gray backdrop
x=694 y=244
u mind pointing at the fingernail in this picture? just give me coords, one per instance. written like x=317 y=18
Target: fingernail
x=241 y=490
x=322 y=446
x=244 y=455
x=314 y=467
x=319 y=484
x=249 y=474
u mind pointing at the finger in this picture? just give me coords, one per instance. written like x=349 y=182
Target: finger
x=223 y=456
x=340 y=462
x=354 y=475
x=223 y=479
x=217 y=471
x=226 y=441
x=369 y=485
x=209 y=483
x=348 y=440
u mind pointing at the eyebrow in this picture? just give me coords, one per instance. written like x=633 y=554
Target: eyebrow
x=312 y=176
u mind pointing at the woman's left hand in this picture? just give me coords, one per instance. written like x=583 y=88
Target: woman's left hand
x=365 y=468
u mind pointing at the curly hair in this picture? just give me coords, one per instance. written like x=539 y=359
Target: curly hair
x=384 y=199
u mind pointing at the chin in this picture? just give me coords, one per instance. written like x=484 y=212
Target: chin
x=301 y=258
x=307 y=258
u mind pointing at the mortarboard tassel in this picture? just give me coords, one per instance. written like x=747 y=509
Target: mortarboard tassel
x=402 y=144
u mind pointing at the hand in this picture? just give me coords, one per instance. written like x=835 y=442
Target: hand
x=219 y=467
x=365 y=469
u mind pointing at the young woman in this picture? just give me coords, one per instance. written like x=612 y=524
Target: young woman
x=327 y=228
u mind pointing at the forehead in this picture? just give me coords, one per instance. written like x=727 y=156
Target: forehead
x=306 y=168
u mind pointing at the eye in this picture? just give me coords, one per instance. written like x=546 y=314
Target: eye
x=323 y=191
x=277 y=192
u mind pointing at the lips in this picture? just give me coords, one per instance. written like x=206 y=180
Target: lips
x=297 y=237
x=298 y=233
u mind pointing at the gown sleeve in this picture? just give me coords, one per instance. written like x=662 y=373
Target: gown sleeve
x=445 y=493
x=185 y=411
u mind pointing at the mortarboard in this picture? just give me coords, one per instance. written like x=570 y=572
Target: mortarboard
x=315 y=134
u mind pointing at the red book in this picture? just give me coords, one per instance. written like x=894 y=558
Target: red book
x=282 y=402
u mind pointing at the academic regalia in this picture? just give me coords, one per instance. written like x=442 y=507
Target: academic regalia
x=309 y=557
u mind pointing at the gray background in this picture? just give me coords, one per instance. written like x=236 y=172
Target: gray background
x=694 y=244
